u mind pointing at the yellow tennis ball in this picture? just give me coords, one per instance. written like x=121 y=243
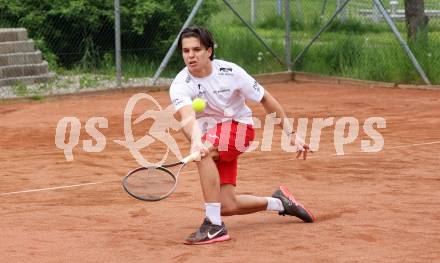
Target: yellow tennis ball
x=199 y=105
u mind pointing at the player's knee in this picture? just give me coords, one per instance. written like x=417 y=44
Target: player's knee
x=228 y=212
x=229 y=208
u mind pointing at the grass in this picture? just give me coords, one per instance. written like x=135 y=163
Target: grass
x=252 y=55
x=355 y=48
x=352 y=56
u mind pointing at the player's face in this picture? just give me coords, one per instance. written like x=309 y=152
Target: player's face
x=196 y=57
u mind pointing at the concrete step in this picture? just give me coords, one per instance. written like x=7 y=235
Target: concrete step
x=27 y=80
x=23 y=70
x=13 y=34
x=17 y=46
x=20 y=58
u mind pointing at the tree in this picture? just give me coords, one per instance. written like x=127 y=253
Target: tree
x=83 y=30
x=416 y=20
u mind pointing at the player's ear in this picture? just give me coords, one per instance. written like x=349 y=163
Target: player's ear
x=209 y=50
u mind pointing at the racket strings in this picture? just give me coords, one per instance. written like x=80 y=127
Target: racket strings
x=152 y=183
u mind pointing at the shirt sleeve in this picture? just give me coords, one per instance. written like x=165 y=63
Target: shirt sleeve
x=180 y=95
x=249 y=87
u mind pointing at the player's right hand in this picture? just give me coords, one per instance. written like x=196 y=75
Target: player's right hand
x=204 y=150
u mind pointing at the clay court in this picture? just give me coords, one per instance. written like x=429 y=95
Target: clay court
x=370 y=207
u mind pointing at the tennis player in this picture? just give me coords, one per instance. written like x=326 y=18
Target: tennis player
x=225 y=124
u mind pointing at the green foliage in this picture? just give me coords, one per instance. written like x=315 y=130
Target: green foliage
x=316 y=23
x=254 y=58
x=37 y=97
x=80 y=32
x=271 y=22
x=48 y=55
x=345 y=53
x=20 y=89
x=355 y=26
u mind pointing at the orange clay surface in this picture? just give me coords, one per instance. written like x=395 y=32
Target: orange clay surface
x=370 y=207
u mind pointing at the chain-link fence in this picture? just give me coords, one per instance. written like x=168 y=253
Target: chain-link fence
x=359 y=43
x=77 y=38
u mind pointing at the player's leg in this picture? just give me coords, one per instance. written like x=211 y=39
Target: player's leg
x=233 y=204
x=282 y=201
x=209 y=179
x=212 y=229
x=291 y=206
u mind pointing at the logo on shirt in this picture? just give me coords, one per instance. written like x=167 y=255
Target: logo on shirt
x=200 y=90
x=256 y=87
x=177 y=101
x=188 y=79
x=223 y=90
x=225 y=72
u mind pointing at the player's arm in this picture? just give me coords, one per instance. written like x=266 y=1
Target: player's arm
x=191 y=129
x=271 y=105
x=253 y=91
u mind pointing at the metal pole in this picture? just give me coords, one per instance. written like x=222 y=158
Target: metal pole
x=118 y=43
x=376 y=14
x=255 y=33
x=176 y=41
x=402 y=41
x=253 y=11
x=299 y=11
x=320 y=32
x=324 y=5
x=288 y=46
x=343 y=16
x=279 y=7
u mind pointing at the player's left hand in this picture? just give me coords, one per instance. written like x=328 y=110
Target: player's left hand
x=302 y=147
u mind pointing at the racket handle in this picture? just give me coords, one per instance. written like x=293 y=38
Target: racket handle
x=193 y=156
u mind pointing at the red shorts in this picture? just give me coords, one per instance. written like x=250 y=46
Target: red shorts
x=232 y=139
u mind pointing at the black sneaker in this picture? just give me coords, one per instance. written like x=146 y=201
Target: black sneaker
x=291 y=206
x=208 y=233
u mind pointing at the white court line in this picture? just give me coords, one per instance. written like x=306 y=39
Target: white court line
x=309 y=156
x=394 y=147
x=191 y=171
x=416 y=144
x=53 y=188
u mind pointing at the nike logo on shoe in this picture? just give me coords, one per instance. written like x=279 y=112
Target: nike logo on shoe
x=215 y=234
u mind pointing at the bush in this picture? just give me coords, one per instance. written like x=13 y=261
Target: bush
x=355 y=26
x=82 y=31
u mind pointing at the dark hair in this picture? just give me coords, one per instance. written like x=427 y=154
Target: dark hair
x=202 y=34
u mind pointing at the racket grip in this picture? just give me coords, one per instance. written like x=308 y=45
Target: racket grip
x=193 y=156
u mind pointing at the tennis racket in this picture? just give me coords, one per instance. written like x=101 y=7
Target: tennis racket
x=154 y=183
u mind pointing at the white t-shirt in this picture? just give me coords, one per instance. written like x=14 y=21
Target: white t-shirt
x=224 y=91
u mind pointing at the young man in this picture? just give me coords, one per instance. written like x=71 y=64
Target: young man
x=226 y=123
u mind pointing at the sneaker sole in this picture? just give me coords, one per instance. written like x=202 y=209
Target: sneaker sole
x=290 y=196
x=214 y=240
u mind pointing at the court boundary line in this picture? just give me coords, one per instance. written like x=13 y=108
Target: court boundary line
x=185 y=172
x=53 y=188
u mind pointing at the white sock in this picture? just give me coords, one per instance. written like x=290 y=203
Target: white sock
x=274 y=204
x=213 y=213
